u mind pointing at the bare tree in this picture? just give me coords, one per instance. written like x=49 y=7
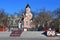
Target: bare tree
x=43 y=17
x=3 y=18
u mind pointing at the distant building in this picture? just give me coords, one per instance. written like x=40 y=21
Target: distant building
x=13 y=21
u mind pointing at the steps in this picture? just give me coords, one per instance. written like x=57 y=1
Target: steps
x=16 y=33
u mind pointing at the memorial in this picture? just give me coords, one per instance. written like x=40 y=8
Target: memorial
x=27 y=18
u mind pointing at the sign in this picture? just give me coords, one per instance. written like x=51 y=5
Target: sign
x=51 y=33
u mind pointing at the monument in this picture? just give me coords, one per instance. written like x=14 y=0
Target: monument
x=27 y=18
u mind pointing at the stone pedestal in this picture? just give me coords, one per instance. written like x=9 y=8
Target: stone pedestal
x=25 y=28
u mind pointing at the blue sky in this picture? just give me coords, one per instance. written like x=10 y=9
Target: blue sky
x=12 y=6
